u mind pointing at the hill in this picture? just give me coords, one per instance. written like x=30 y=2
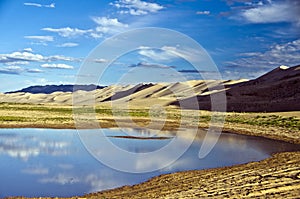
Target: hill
x=277 y=90
x=56 y=88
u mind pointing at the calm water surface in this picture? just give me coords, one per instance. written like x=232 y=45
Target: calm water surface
x=47 y=162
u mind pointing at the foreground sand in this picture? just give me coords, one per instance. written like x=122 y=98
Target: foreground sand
x=276 y=177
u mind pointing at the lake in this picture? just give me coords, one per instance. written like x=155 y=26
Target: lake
x=48 y=162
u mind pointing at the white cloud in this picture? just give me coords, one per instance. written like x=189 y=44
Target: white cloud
x=28 y=50
x=279 y=54
x=34 y=70
x=107 y=26
x=52 y=5
x=150 y=65
x=96 y=35
x=61 y=58
x=20 y=56
x=33 y=4
x=107 y=22
x=136 y=7
x=69 y=44
x=17 y=70
x=206 y=12
x=169 y=53
x=40 y=38
x=157 y=55
x=12 y=70
x=100 y=60
x=27 y=57
x=273 y=12
x=16 y=63
x=59 y=66
x=67 y=31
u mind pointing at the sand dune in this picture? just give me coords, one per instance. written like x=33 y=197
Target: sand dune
x=137 y=95
x=278 y=90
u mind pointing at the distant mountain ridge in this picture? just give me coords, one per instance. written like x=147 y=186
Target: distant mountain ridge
x=48 y=89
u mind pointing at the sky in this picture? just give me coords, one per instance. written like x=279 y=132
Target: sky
x=47 y=41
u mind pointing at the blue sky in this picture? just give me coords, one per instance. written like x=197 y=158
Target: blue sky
x=45 y=41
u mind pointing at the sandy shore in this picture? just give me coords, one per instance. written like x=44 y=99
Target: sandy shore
x=275 y=177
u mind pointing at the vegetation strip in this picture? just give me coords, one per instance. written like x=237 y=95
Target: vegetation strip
x=279 y=126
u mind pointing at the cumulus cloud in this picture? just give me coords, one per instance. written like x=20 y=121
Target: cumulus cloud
x=28 y=50
x=15 y=63
x=61 y=58
x=27 y=57
x=69 y=44
x=59 y=66
x=67 y=31
x=157 y=55
x=20 y=56
x=279 y=54
x=169 y=53
x=136 y=7
x=273 y=12
x=17 y=70
x=206 y=12
x=150 y=65
x=40 y=38
x=11 y=70
x=107 y=26
x=52 y=5
x=103 y=21
x=34 y=70
x=100 y=60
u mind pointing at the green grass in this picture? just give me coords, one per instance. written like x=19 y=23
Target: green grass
x=62 y=114
x=36 y=108
x=14 y=119
x=270 y=120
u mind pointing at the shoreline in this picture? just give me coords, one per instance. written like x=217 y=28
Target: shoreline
x=249 y=130
x=247 y=180
x=276 y=177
